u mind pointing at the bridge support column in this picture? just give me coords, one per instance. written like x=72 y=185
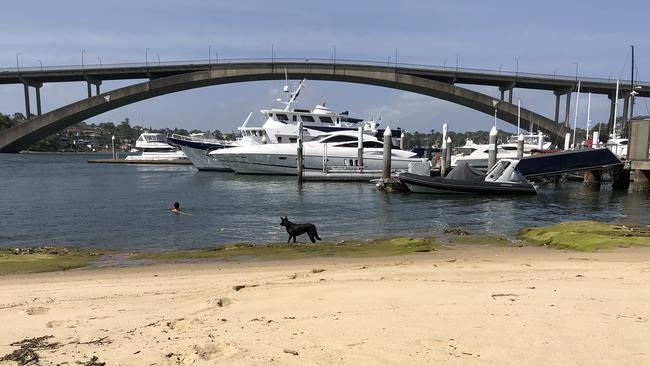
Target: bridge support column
x=612 y=117
x=503 y=94
x=557 y=107
x=626 y=106
x=621 y=180
x=38 y=99
x=641 y=180
x=567 y=109
x=27 y=110
x=90 y=81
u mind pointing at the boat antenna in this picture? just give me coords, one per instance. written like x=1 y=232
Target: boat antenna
x=244 y=125
x=293 y=96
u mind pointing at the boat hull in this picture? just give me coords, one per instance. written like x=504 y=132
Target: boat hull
x=283 y=164
x=439 y=185
x=198 y=154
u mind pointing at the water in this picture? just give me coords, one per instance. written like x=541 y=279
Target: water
x=60 y=199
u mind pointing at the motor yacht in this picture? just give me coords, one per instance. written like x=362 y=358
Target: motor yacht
x=336 y=149
x=280 y=127
x=154 y=146
x=477 y=155
x=196 y=147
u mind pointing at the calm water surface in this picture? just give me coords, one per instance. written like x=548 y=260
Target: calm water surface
x=60 y=199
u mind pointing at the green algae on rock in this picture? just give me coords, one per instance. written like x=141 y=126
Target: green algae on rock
x=587 y=235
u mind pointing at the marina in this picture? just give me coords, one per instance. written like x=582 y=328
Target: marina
x=92 y=200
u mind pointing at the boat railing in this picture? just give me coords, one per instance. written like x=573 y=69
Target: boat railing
x=200 y=139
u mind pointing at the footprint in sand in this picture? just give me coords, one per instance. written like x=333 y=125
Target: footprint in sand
x=211 y=351
x=62 y=323
x=37 y=310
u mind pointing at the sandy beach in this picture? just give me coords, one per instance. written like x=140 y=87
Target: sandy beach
x=463 y=306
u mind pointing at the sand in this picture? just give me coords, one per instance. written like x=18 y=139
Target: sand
x=465 y=306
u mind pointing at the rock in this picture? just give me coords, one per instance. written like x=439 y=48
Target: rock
x=223 y=302
x=317 y=270
x=340 y=242
x=295 y=353
x=238 y=287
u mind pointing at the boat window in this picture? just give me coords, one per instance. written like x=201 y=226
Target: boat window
x=293 y=140
x=282 y=117
x=349 y=144
x=339 y=138
x=279 y=139
x=372 y=144
x=307 y=118
x=509 y=148
x=326 y=119
x=294 y=118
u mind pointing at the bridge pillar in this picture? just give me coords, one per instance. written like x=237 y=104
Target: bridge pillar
x=27 y=111
x=567 y=109
x=510 y=95
x=90 y=81
x=557 y=107
x=503 y=92
x=508 y=87
x=626 y=106
x=612 y=117
x=38 y=99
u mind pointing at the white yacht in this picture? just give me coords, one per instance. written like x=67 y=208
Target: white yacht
x=196 y=147
x=334 y=150
x=154 y=146
x=618 y=146
x=280 y=127
x=477 y=155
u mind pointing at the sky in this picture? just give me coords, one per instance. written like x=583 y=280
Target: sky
x=551 y=36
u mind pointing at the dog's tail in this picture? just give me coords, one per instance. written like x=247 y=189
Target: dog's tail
x=316 y=235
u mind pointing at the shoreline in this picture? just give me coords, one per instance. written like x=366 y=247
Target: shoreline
x=467 y=305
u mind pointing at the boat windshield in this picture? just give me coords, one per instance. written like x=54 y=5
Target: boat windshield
x=155 y=138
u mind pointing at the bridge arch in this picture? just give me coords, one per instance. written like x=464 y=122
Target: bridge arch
x=23 y=135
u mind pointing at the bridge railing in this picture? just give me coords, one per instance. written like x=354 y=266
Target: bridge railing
x=506 y=74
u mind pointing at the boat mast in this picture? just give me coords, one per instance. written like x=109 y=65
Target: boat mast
x=588 y=115
x=518 y=115
x=575 y=118
x=632 y=91
x=615 y=111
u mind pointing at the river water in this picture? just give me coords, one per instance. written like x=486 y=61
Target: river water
x=60 y=199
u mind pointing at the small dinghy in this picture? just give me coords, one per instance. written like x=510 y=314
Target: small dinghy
x=501 y=179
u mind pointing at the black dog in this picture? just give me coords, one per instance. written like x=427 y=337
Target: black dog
x=299 y=229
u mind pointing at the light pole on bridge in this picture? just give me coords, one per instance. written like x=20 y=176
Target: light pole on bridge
x=444 y=64
x=576 y=70
x=516 y=66
x=100 y=62
x=146 y=57
x=17 y=65
x=500 y=65
x=82 y=58
x=209 y=54
x=554 y=73
x=41 y=63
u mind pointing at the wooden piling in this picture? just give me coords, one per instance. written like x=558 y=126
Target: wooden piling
x=113 y=147
x=641 y=180
x=387 y=152
x=443 y=157
x=520 y=146
x=492 y=149
x=299 y=162
x=360 y=148
x=450 y=147
x=592 y=180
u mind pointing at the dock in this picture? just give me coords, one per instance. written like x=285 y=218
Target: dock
x=342 y=176
x=154 y=162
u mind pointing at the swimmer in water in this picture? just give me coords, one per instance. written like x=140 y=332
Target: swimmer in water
x=177 y=208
